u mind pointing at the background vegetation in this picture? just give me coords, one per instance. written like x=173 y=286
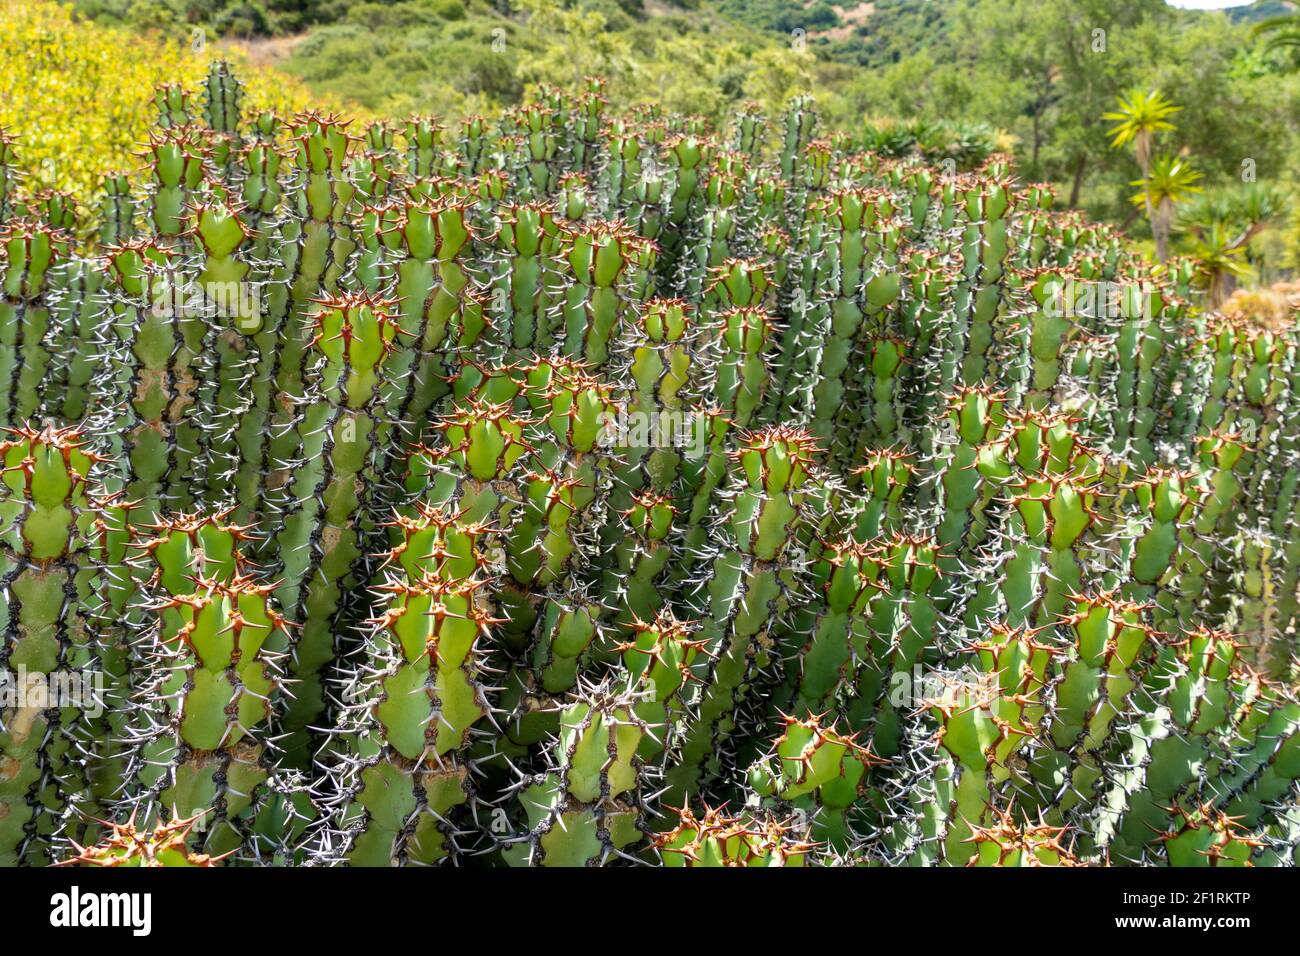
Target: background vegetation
x=1032 y=76
x=78 y=95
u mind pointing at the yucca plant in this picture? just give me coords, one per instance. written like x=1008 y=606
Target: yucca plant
x=528 y=491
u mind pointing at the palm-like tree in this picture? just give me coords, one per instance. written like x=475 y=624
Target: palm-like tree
x=1137 y=120
x=1139 y=117
x=1283 y=32
x=1219 y=261
x=1169 y=180
x=1223 y=223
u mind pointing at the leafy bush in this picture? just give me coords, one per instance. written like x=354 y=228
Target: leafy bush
x=79 y=96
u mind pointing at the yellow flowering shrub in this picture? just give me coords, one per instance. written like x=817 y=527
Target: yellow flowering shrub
x=78 y=96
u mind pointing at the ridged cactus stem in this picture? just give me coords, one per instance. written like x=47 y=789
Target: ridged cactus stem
x=417 y=696
x=1096 y=681
x=323 y=538
x=47 y=576
x=145 y=408
x=437 y=310
x=890 y=651
x=1192 y=682
x=660 y=364
x=818 y=771
x=27 y=337
x=529 y=243
x=984 y=725
x=315 y=242
x=584 y=808
x=753 y=578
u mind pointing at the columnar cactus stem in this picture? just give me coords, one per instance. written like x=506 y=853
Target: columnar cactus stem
x=210 y=696
x=322 y=537
x=1200 y=580
x=660 y=363
x=584 y=808
x=47 y=575
x=719 y=222
x=113 y=616
x=821 y=772
x=900 y=630
x=416 y=699
x=173 y=105
x=424 y=141
x=1192 y=682
x=1096 y=681
x=1045 y=535
x=974 y=417
x=206 y=674
x=624 y=166
x=749 y=130
x=1140 y=342
x=659 y=658
x=985 y=208
x=643 y=555
x=598 y=257
x=315 y=242
x=538 y=126
x=222 y=93
x=30 y=251
x=800 y=121
x=226 y=370
x=850 y=215
x=117 y=211
x=885 y=480
x=256 y=334
x=435 y=308
x=848 y=573
x=984 y=726
x=688 y=156
x=754 y=577
x=561 y=518
x=145 y=408
x=483 y=444
x=528 y=240
x=1152 y=541
x=76 y=315
x=177 y=161
x=742 y=338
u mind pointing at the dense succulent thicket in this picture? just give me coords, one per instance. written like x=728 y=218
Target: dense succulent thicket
x=575 y=489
